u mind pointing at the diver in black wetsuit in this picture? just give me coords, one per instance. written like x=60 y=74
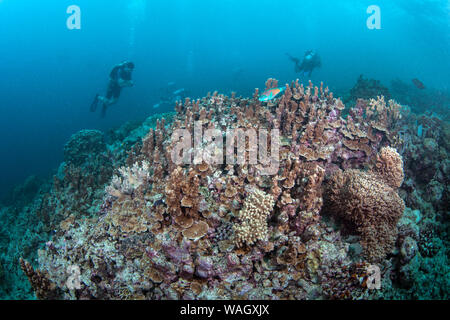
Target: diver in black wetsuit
x=119 y=78
x=311 y=60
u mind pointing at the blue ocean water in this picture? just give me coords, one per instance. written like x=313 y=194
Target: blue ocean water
x=49 y=74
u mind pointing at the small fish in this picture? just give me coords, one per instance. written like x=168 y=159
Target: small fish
x=418 y=83
x=177 y=92
x=271 y=94
x=156 y=106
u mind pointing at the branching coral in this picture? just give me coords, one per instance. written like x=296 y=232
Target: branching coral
x=129 y=180
x=253 y=216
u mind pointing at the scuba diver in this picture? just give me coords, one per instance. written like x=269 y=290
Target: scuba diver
x=119 y=78
x=311 y=60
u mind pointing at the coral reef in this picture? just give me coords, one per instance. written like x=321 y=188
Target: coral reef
x=41 y=206
x=367 y=89
x=198 y=231
x=23 y=194
x=137 y=225
x=420 y=101
x=82 y=145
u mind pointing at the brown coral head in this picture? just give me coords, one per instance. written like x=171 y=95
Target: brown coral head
x=286 y=198
x=390 y=167
x=196 y=287
x=203 y=167
x=369 y=206
x=155 y=276
x=230 y=191
x=289 y=183
x=186 y=202
x=184 y=221
x=196 y=231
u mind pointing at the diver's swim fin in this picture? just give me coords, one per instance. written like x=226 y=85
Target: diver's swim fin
x=306 y=73
x=94 y=104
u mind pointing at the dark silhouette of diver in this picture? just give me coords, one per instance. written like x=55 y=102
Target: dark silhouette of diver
x=311 y=60
x=119 y=78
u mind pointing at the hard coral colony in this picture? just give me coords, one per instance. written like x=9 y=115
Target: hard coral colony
x=227 y=231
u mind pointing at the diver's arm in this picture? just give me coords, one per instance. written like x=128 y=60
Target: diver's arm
x=125 y=77
x=293 y=59
x=125 y=83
